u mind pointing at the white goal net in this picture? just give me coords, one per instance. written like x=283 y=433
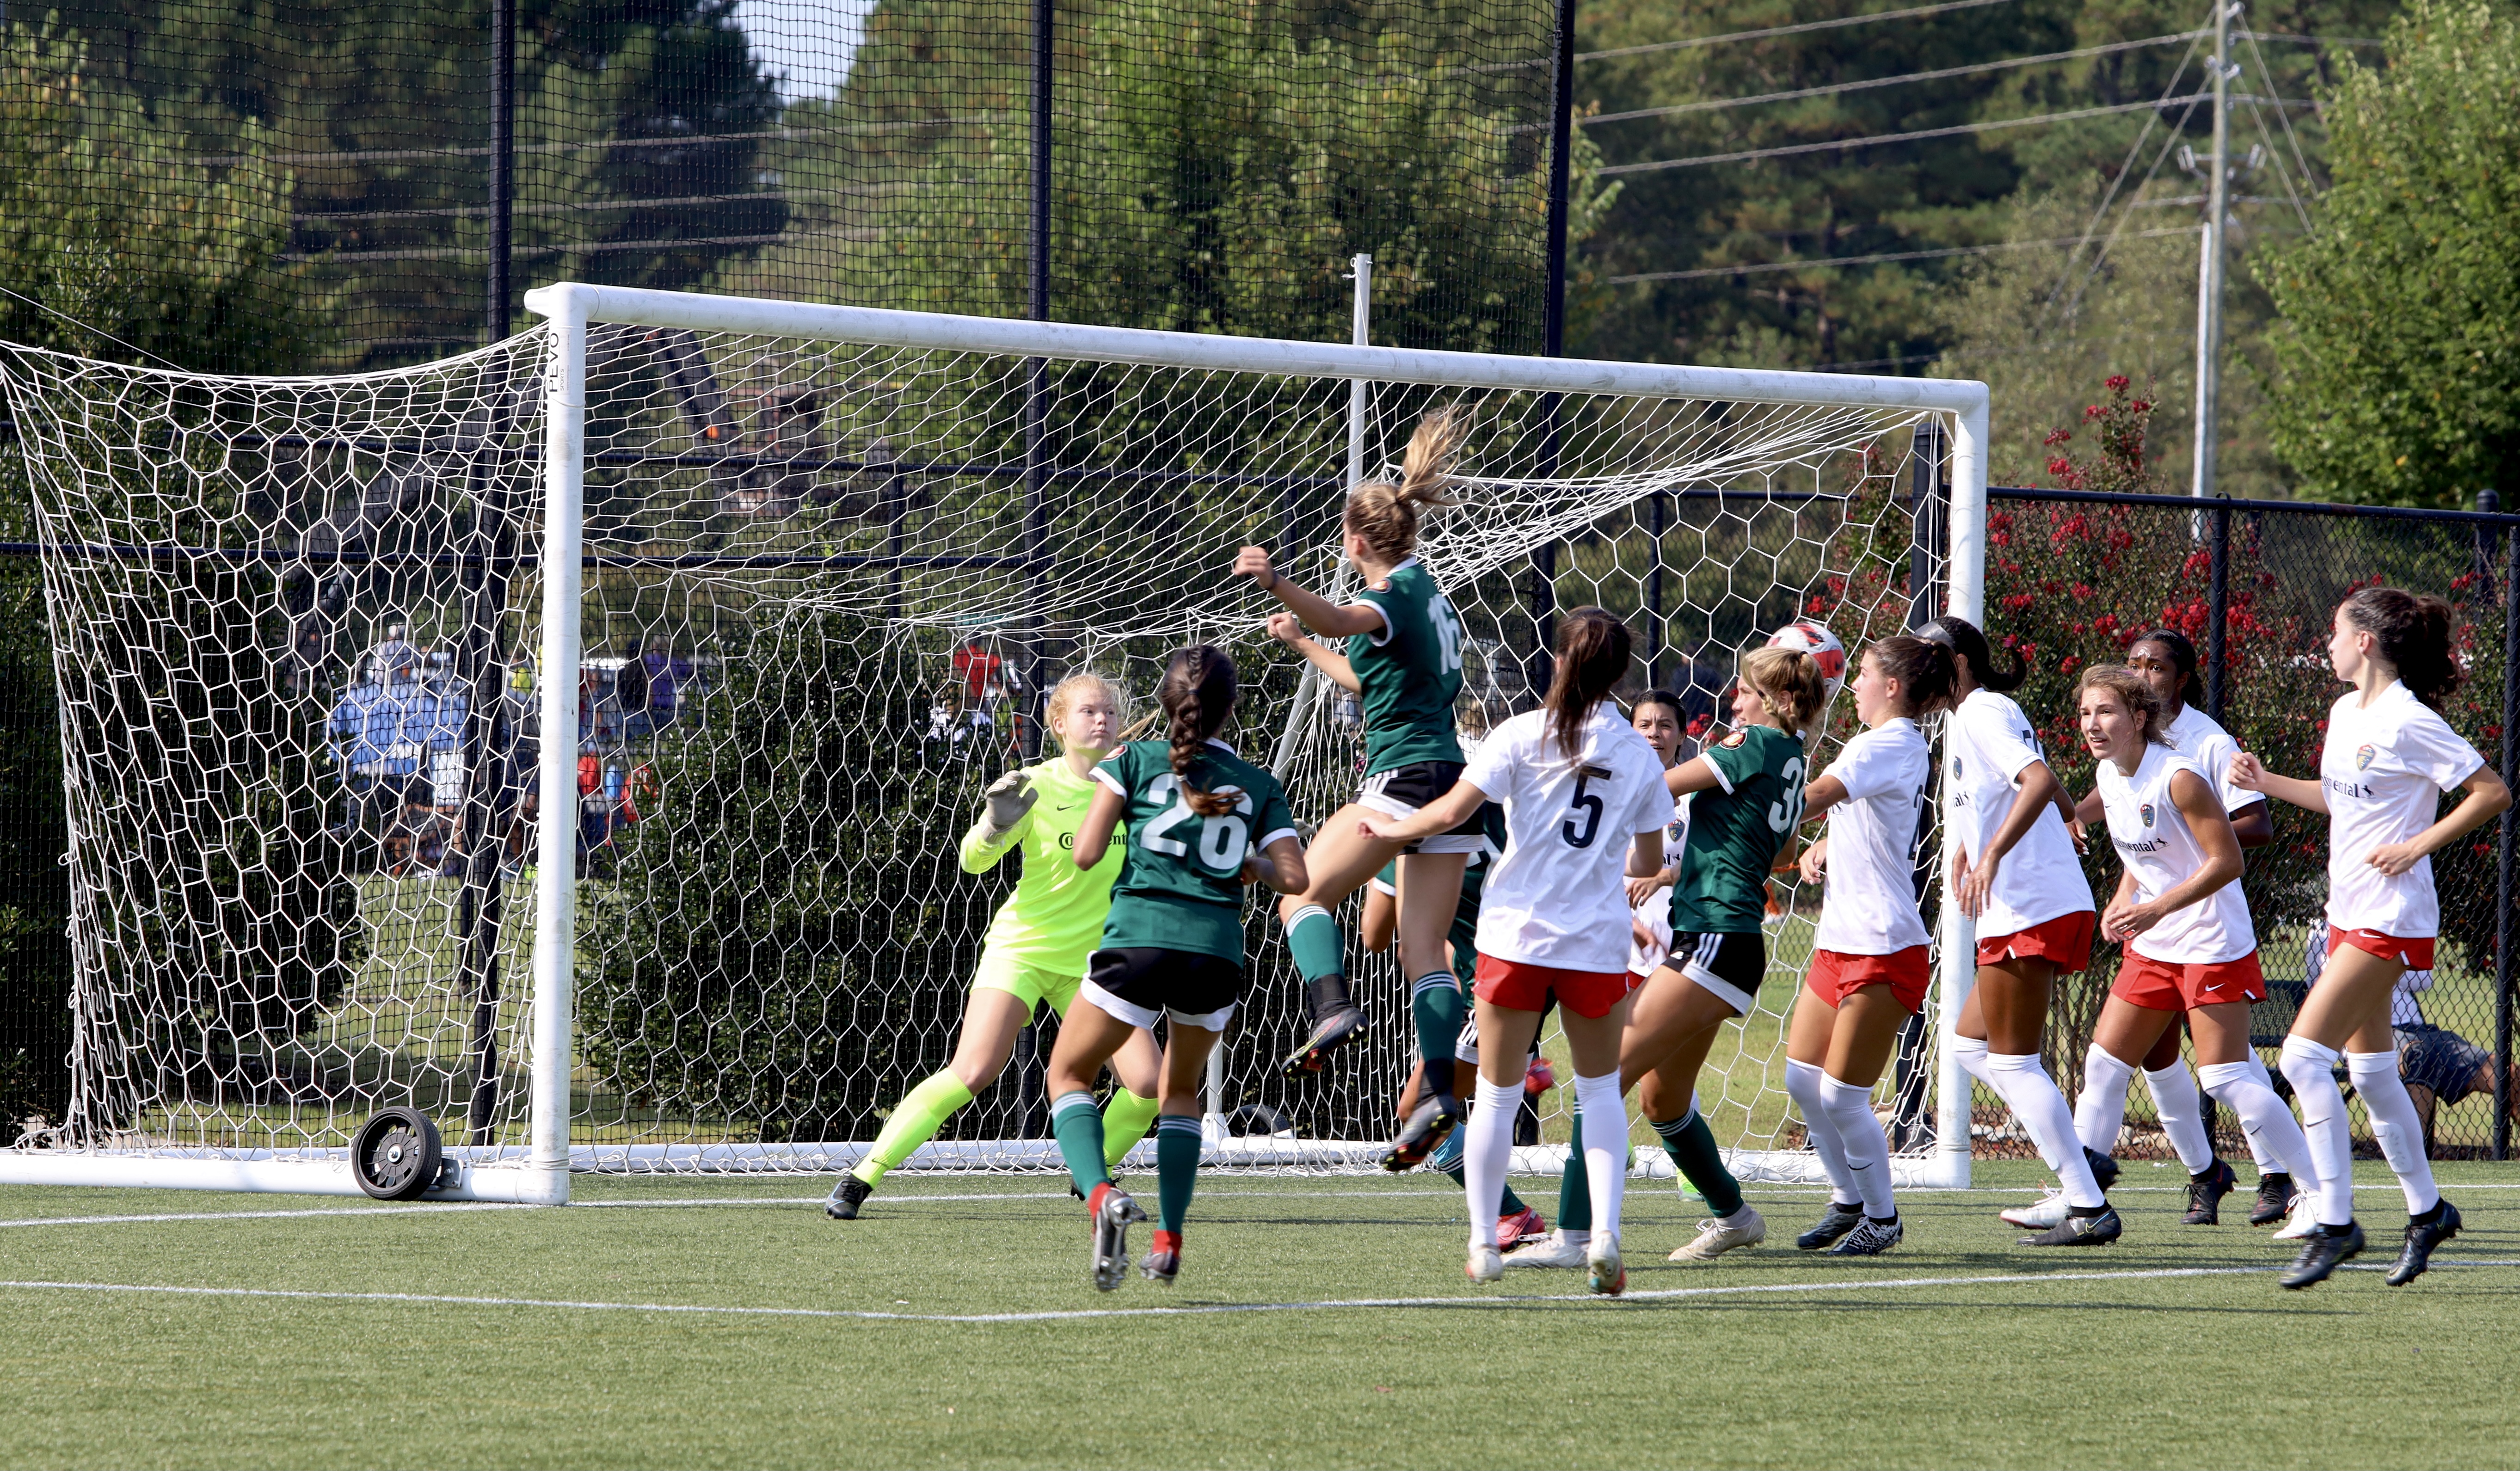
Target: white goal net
x=570 y=740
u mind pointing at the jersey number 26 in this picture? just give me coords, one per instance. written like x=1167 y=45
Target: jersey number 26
x=1222 y=840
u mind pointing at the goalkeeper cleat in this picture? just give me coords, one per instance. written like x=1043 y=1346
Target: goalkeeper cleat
x=846 y=1196
x=2205 y=1195
x=2274 y=1198
x=2302 y=1221
x=1330 y=1034
x=1163 y=1261
x=1112 y=1212
x=1429 y=1124
x=1745 y=1227
x=1552 y=1250
x=1834 y=1223
x=2422 y=1235
x=1513 y=1231
x=1871 y=1239
x=2047 y=1211
x=2322 y=1251
x=1603 y=1272
x=2104 y=1170
x=2098 y=1227
x=1486 y=1265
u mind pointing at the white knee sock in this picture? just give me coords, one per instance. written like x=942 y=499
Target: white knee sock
x=2395 y=1124
x=2183 y=1115
x=2308 y=1066
x=1970 y=1053
x=2269 y=1162
x=2274 y=1139
x=2034 y=1099
x=1867 y=1149
x=1605 y=1147
x=1487 y=1154
x=1803 y=1083
x=2100 y=1112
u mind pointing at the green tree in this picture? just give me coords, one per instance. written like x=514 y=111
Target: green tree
x=2402 y=369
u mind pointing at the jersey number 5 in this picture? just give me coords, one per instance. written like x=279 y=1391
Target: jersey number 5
x=1587 y=803
x=1787 y=815
x=1222 y=840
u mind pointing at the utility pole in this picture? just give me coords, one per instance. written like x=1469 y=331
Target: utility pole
x=2209 y=265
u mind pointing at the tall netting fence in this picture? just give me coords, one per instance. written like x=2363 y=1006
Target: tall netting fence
x=827 y=589
x=2073 y=581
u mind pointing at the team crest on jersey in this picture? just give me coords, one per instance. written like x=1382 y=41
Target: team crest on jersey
x=2363 y=757
x=2148 y=814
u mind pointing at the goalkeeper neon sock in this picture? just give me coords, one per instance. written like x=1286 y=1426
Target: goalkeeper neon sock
x=1177 y=1149
x=1436 y=1004
x=1692 y=1147
x=1126 y=1118
x=1575 y=1185
x=915 y=1120
x=1077 y=1125
x=1320 y=950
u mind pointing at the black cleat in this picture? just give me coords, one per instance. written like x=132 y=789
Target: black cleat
x=1429 y=1125
x=2274 y=1198
x=2205 y=1194
x=2421 y=1237
x=2322 y=1251
x=1871 y=1239
x=846 y=1196
x=2104 y=1170
x=1330 y=1034
x=1834 y=1223
x=1113 y=1214
x=2093 y=1227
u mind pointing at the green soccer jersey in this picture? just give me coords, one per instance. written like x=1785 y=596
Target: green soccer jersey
x=1735 y=831
x=1056 y=915
x=1180 y=881
x=1408 y=672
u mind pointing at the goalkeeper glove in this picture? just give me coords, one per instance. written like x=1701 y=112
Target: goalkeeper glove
x=1010 y=796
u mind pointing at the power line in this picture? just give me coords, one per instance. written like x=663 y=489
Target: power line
x=1835 y=88
x=1911 y=13
x=1872 y=140
x=1831 y=262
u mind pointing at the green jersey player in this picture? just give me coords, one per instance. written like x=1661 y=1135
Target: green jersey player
x=1400 y=653
x=1203 y=824
x=1036 y=948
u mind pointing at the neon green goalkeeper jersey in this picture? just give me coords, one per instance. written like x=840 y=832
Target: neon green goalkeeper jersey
x=1055 y=918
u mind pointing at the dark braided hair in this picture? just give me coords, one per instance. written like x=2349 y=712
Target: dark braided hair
x=1198 y=696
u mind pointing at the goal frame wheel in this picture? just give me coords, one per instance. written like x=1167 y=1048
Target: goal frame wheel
x=396 y=1154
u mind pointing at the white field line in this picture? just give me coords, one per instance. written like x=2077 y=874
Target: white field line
x=1546 y=1300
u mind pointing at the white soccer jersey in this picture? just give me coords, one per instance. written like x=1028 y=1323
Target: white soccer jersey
x=1991 y=742
x=1871 y=909
x=1654 y=914
x=2385 y=768
x=2197 y=737
x=1559 y=897
x=2159 y=848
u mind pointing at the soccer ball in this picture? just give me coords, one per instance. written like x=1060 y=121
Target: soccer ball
x=1816 y=640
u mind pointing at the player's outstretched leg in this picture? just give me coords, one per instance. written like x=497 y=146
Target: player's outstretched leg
x=1176 y=1149
x=1319 y=947
x=915 y=1120
x=1731 y=1224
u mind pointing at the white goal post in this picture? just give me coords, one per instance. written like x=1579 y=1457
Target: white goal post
x=797 y=577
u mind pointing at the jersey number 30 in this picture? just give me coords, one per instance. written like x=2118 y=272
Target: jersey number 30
x=1222 y=840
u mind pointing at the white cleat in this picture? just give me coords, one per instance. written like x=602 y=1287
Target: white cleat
x=1743 y=1228
x=1603 y=1272
x=2047 y=1211
x=1552 y=1250
x=1486 y=1264
x=2305 y=1219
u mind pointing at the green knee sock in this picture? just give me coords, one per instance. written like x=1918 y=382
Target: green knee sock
x=1436 y=1004
x=1077 y=1125
x=1509 y=1204
x=1177 y=1149
x=1316 y=943
x=1575 y=1185
x=1692 y=1147
x=1126 y=1118
x=915 y=1120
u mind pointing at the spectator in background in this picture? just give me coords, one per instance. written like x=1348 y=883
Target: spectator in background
x=392 y=657
x=630 y=693
x=664 y=684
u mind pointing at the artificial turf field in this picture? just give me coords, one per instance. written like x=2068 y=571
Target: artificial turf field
x=1317 y=1321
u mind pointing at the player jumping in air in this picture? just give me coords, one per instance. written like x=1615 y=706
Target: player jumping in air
x=2388 y=760
x=1869 y=965
x=1036 y=947
x=2015 y=872
x=1203 y=824
x=1402 y=659
x=1580 y=789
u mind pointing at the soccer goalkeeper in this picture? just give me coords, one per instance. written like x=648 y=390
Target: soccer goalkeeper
x=1036 y=948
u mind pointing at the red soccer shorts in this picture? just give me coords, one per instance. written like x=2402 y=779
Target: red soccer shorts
x=1833 y=977
x=2415 y=954
x=2183 y=986
x=1520 y=987
x=2065 y=940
